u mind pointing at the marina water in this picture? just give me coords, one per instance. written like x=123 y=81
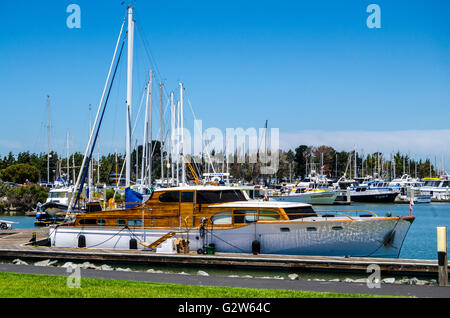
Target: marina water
x=420 y=243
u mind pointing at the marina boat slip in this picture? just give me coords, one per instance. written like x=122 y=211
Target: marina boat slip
x=319 y=194
x=60 y=196
x=408 y=187
x=223 y=218
x=365 y=193
x=437 y=187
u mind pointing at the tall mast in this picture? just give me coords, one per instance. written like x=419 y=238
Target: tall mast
x=183 y=166
x=67 y=156
x=129 y=95
x=48 y=138
x=147 y=145
x=178 y=143
x=90 y=162
x=172 y=131
x=149 y=130
x=161 y=143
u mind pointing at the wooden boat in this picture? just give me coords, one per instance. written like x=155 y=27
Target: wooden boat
x=223 y=217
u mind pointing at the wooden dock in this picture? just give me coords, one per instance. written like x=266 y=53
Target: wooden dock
x=14 y=244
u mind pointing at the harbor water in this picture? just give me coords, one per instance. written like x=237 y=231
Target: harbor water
x=420 y=243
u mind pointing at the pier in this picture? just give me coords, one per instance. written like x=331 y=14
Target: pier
x=16 y=244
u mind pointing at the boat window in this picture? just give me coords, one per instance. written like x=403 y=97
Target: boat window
x=187 y=197
x=170 y=196
x=222 y=218
x=101 y=222
x=445 y=183
x=134 y=222
x=299 y=212
x=265 y=215
x=244 y=217
x=55 y=195
x=220 y=196
x=121 y=222
x=88 y=221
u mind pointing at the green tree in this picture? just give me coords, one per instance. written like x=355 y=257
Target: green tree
x=20 y=173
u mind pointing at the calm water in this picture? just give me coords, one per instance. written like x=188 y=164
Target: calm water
x=420 y=243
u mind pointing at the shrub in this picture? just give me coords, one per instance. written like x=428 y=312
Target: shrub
x=25 y=198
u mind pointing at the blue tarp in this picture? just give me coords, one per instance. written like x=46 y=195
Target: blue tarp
x=132 y=197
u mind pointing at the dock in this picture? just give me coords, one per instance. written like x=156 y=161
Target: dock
x=16 y=244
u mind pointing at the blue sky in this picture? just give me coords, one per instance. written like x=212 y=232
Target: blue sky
x=311 y=68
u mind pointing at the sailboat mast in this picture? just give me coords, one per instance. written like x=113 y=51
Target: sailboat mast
x=161 y=143
x=183 y=166
x=90 y=163
x=67 y=157
x=149 y=130
x=172 y=130
x=48 y=138
x=178 y=143
x=129 y=95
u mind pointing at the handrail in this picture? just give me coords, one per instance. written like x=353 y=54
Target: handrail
x=347 y=211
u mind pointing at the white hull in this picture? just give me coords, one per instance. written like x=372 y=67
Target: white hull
x=313 y=197
x=417 y=200
x=340 y=237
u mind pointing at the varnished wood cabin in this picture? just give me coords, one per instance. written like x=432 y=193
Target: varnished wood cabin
x=185 y=207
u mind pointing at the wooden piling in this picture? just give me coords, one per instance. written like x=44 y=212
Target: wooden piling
x=442 y=255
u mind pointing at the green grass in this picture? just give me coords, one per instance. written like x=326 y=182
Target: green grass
x=14 y=285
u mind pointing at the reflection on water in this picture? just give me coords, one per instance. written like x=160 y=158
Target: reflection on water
x=420 y=243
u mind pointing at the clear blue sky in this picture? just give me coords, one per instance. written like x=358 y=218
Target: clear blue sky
x=304 y=65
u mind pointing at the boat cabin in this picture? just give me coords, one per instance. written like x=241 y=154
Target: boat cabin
x=189 y=207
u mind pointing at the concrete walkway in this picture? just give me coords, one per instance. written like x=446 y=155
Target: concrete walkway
x=197 y=280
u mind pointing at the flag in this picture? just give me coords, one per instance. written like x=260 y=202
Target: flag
x=411 y=205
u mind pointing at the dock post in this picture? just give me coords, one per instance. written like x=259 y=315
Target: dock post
x=442 y=255
x=348 y=195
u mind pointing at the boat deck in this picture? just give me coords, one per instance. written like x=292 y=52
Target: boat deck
x=15 y=244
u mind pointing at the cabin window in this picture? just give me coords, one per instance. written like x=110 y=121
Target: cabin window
x=220 y=196
x=187 y=197
x=121 y=222
x=135 y=222
x=101 y=222
x=244 y=217
x=265 y=215
x=170 y=196
x=300 y=212
x=88 y=221
x=222 y=218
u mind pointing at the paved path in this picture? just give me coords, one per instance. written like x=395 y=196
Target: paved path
x=197 y=280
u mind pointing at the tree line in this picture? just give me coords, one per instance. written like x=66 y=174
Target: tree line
x=294 y=165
